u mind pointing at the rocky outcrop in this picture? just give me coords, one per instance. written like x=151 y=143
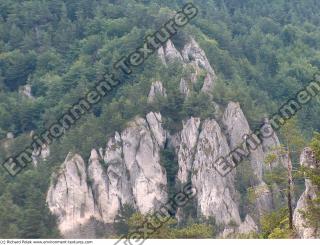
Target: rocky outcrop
x=194 y=55
x=168 y=53
x=26 y=91
x=247 y=227
x=271 y=145
x=157 y=90
x=110 y=186
x=215 y=193
x=129 y=169
x=70 y=197
x=187 y=147
x=307 y=159
x=10 y=135
x=142 y=142
x=129 y=173
x=194 y=59
x=198 y=146
x=237 y=129
x=40 y=154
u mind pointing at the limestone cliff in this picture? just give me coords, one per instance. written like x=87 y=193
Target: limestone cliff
x=237 y=128
x=307 y=159
x=128 y=170
x=129 y=173
x=70 y=197
x=194 y=60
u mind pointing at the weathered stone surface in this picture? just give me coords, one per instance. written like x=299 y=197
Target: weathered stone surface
x=195 y=60
x=69 y=196
x=168 y=53
x=184 y=87
x=215 y=194
x=247 y=226
x=142 y=158
x=10 y=135
x=192 y=53
x=154 y=121
x=237 y=129
x=271 y=145
x=40 y=154
x=307 y=159
x=109 y=187
x=26 y=91
x=157 y=90
x=187 y=146
x=130 y=173
x=208 y=84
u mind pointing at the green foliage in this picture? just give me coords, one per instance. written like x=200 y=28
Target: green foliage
x=245 y=180
x=168 y=229
x=315 y=145
x=23 y=211
x=275 y=225
x=122 y=218
x=163 y=230
x=262 y=51
x=312 y=213
x=170 y=163
x=195 y=231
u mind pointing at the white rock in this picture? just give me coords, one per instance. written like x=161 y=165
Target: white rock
x=142 y=158
x=168 y=53
x=193 y=58
x=248 y=226
x=187 y=147
x=208 y=84
x=192 y=53
x=271 y=145
x=307 y=159
x=69 y=196
x=26 y=91
x=157 y=90
x=215 y=194
x=10 y=135
x=154 y=121
x=237 y=127
x=184 y=87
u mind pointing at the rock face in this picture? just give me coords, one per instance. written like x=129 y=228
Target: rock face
x=187 y=147
x=194 y=60
x=168 y=53
x=129 y=173
x=141 y=153
x=216 y=194
x=70 y=198
x=129 y=169
x=26 y=91
x=10 y=135
x=40 y=154
x=193 y=54
x=308 y=160
x=237 y=128
x=247 y=227
x=157 y=90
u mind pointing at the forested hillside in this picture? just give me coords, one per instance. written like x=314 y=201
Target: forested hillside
x=262 y=51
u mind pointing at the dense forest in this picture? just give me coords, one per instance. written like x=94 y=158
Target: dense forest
x=263 y=52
